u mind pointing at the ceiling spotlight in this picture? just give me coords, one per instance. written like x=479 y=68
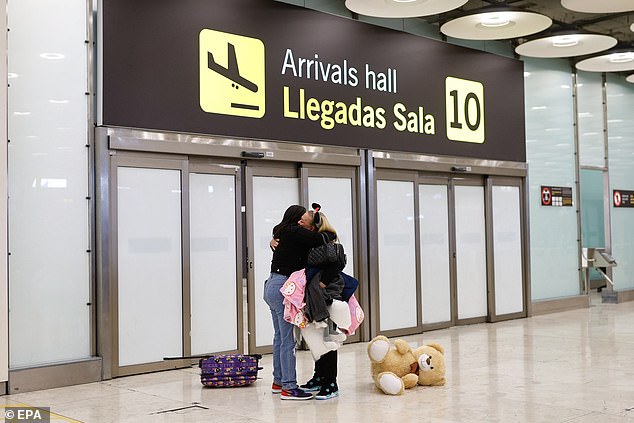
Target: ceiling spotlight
x=565 y=41
x=496 y=24
x=567 y=44
x=495 y=19
x=630 y=78
x=52 y=56
x=616 y=61
x=402 y=8
x=621 y=57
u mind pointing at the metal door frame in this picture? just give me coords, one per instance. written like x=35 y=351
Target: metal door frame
x=443 y=180
x=302 y=171
x=254 y=169
x=466 y=180
x=149 y=161
x=375 y=317
x=212 y=166
x=515 y=182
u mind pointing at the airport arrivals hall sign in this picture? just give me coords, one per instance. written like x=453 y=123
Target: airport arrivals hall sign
x=268 y=70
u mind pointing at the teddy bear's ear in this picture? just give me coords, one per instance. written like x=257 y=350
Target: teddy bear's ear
x=437 y=347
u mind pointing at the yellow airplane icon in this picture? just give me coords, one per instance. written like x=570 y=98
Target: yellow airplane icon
x=231 y=71
x=229 y=57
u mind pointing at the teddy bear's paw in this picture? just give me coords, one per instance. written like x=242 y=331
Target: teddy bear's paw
x=378 y=349
x=390 y=383
x=410 y=380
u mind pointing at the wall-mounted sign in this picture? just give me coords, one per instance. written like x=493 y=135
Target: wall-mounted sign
x=556 y=196
x=623 y=198
x=269 y=70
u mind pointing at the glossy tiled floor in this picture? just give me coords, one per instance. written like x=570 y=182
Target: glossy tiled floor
x=573 y=367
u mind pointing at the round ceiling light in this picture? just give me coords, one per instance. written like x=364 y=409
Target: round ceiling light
x=566 y=45
x=630 y=78
x=496 y=25
x=613 y=62
x=594 y=6
x=402 y=8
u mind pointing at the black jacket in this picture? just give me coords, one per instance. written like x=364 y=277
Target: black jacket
x=290 y=255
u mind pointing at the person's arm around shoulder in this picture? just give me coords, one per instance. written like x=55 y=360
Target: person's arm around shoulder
x=310 y=238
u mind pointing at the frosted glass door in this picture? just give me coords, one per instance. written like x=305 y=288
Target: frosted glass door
x=507 y=249
x=214 y=295
x=396 y=254
x=434 y=253
x=271 y=197
x=471 y=254
x=149 y=264
x=335 y=197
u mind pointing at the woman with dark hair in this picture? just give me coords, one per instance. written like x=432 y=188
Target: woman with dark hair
x=290 y=255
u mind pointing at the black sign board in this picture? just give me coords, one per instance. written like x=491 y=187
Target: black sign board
x=556 y=196
x=273 y=71
x=622 y=198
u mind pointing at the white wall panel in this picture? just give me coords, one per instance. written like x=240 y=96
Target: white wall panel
x=214 y=302
x=149 y=264
x=49 y=267
x=434 y=253
x=507 y=248
x=471 y=252
x=4 y=300
x=396 y=254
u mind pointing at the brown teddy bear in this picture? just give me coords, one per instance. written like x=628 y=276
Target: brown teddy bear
x=397 y=367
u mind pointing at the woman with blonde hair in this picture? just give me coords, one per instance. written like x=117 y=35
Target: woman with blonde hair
x=324 y=380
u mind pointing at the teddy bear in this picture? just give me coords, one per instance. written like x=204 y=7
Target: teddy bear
x=397 y=367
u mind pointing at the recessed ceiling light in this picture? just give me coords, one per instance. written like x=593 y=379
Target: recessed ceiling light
x=565 y=41
x=402 y=8
x=496 y=25
x=630 y=78
x=621 y=57
x=52 y=56
x=496 y=19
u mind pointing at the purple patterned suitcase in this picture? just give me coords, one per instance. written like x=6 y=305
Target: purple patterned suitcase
x=229 y=370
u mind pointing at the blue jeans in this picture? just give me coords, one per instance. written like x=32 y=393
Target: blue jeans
x=284 y=372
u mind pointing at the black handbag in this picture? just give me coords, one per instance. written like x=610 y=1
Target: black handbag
x=329 y=252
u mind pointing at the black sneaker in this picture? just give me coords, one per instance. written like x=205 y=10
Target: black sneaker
x=295 y=394
x=313 y=385
x=328 y=391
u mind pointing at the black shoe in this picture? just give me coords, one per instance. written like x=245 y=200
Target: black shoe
x=313 y=385
x=328 y=391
